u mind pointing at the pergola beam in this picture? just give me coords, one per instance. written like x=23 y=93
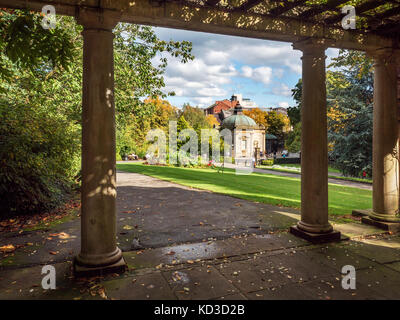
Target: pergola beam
x=360 y=9
x=175 y=14
x=386 y=14
x=252 y=25
x=332 y=4
x=287 y=7
x=393 y=27
x=212 y=3
x=249 y=5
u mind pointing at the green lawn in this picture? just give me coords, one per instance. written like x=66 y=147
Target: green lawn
x=332 y=173
x=330 y=169
x=257 y=187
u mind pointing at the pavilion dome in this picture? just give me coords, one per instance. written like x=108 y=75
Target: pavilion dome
x=238 y=119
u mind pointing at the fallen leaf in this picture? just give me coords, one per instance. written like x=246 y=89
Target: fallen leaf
x=7 y=248
x=61 y=235
x=102 y=293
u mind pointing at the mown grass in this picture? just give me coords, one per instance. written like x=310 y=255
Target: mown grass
x=296 y=165
x=331 y=174
x=259 y=187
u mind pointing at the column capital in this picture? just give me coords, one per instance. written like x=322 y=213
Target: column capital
x=385 y=54
x=97 y=19
x=316 y=46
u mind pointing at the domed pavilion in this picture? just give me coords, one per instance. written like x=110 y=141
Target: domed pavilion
x=247 y=135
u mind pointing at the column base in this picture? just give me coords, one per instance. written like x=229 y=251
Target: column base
x=90 y=271
x=360 y=213
x=388 y=226
x=331 y=236
x=372 y=219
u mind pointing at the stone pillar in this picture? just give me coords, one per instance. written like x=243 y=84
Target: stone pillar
x=314 y=225
x=99 y=251
x=385 y=142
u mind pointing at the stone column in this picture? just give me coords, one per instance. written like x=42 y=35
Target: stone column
x=314 y=225
x=99 y=251
x=385 y=142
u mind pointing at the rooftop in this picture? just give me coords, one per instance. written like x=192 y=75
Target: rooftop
x=238 y=119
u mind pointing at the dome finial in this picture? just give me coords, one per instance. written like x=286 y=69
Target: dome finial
x=238 y=109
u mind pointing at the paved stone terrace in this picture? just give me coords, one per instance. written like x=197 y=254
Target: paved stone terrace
x=277 y=266
x=182 y=243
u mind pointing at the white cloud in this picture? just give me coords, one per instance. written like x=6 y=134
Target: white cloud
x=283 y=104
x=260 y=74
x=197 y=70
x=213 y=75
x=270 y=54
x=216 y=57
x=203 y=101
x=247 y=71
x=282 y=90
x=279 y=73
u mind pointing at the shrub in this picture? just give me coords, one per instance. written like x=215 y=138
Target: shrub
x=39 y=159
x=287 y=161
x=268 y=162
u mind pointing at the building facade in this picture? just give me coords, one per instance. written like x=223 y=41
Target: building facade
x=247 y=136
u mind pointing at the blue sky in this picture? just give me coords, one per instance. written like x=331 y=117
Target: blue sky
x=264 y=71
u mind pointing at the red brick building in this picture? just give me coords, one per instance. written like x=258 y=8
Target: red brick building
x=219 y=106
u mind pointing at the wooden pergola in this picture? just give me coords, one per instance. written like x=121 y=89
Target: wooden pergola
x=310 y=25
x=289 y=20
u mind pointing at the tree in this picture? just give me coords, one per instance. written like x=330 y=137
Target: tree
x=40 y=139
x=211 y=120
x=293 y=141
x=137 y=75
x=350 y=97
x=162 y=114
x=195 y=117
x=181 y=125
x=294 y=113
x=42 y=87
x=259 y=116
x=349 y=112
x=136 y=50
x=25 y=44
x=276 y=123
